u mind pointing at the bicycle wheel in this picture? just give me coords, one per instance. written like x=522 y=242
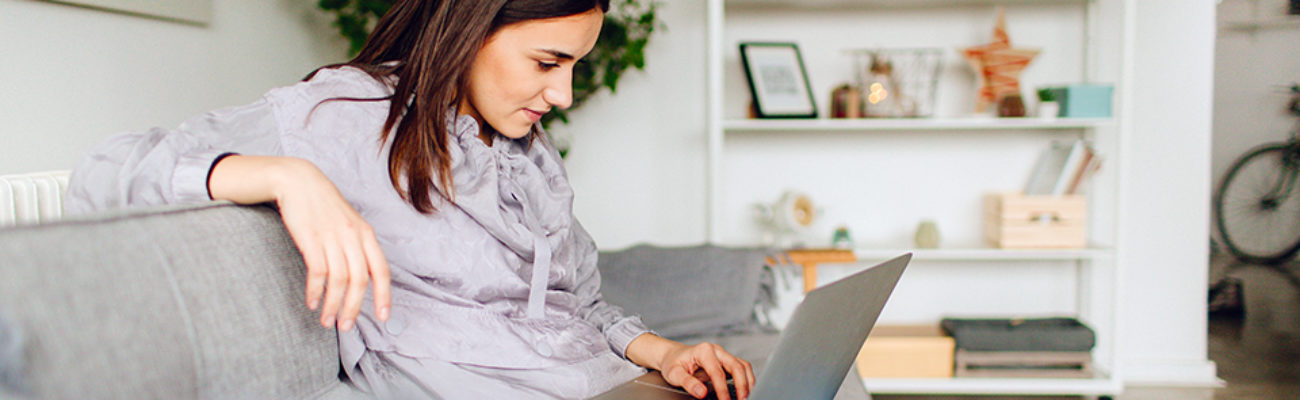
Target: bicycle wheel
x=1258 y=205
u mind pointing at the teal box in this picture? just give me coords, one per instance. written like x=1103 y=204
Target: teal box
x=1084 y=100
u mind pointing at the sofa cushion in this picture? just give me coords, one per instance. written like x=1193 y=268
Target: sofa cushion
x=176 y=302
x=684 y=292
x=11 y=360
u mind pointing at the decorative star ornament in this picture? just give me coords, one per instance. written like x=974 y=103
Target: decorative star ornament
x=998 y=65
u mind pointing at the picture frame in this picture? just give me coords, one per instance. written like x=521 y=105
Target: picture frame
x=187 y=11
x=778 y=80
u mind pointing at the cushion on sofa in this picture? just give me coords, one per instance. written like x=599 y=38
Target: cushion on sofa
x=685 y=292
x=11 y=360
x=175 y=302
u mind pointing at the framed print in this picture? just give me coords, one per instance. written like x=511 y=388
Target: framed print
x=777 y=80
x=191 y=11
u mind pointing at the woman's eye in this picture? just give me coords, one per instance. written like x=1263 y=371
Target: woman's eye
x=547 y=66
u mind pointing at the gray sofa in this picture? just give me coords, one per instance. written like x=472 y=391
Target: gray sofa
x=206 y=302
x=169 y=303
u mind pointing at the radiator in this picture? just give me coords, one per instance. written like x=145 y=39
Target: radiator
x=32 y=198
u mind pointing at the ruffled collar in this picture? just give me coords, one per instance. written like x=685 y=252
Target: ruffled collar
x=515 y=189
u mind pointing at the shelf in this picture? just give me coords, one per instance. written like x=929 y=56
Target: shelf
x=911 y=124
x=985 y=254
x=887 y=3
x=994 y=386
x=1091 y=273
x=1263 y=24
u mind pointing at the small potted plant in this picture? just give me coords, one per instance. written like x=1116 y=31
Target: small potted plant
x=1048 y=108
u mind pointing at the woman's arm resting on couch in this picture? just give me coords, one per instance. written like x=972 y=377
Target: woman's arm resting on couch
x=337 y=245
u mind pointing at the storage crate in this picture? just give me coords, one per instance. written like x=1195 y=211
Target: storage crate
x=1084 y=100
x=1013 y=220
x=906 y=351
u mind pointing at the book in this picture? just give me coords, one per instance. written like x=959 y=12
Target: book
x=1048 y=170
x=1079 y=172
x=1073 y=165
x=1088 y=171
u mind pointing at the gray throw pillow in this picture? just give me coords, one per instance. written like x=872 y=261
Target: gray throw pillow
x=685 y=292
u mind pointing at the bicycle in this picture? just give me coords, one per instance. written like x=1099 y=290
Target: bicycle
x=1257 y=205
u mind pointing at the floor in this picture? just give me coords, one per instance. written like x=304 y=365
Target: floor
x=1257 y=351
x=1256 y=347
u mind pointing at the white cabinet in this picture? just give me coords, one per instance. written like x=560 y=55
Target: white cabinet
x=881 y=176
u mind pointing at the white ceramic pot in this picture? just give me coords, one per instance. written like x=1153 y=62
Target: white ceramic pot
x=1049 y=109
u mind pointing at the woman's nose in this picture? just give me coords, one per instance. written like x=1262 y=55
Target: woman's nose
x=559 y=93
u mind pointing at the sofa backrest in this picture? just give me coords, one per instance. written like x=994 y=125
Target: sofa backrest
x=187 y=302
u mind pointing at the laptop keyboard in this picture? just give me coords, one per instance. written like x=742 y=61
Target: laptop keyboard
x=713 y=393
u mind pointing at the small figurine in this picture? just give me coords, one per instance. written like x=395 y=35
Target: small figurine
x=927 y=235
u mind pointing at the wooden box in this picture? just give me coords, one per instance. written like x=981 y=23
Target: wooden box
x=1013 y=220
x=906 y=351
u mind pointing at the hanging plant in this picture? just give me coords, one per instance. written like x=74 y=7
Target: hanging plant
x=623 y=38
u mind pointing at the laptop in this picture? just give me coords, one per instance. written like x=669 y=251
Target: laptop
x=817 y=347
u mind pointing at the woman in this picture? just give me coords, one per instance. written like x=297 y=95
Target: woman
x=424 y=154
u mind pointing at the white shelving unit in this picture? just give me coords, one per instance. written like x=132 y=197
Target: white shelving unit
x=987 y=254
x=992 y=386
x=911 y=124
x=881 y=3
x=1094 y=266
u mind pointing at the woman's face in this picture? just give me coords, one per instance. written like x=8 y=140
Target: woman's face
x=526 y=68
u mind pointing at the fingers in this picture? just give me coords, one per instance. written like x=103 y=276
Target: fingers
x=741 y=373
x=708 y=359
x=358 y=280
x=378 y=273
x=749 y=370
x=335 y=283
x=317 y=270
x=681 y=377
x=339 y=248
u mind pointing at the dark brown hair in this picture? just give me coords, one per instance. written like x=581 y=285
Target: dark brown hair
x=428 y=46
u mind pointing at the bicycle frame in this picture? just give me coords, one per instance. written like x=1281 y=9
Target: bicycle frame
x=1290 y=170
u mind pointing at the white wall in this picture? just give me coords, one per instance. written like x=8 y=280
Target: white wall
x=71 y=76
x=637 y=161
x=1165 y=192
x=1249 y=108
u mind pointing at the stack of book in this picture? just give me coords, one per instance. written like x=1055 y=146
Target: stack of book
x=1062 y=169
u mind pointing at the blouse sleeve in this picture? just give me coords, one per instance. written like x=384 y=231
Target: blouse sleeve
x=619 y=329
x=162 y=166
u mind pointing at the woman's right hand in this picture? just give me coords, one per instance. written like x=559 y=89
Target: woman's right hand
x=338 y=246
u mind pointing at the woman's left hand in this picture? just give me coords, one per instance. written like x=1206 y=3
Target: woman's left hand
x=691 y=367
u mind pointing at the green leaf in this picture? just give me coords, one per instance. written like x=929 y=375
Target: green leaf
x=332 y=4
x=375 y=7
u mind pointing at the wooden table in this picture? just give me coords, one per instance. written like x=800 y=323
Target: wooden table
x=809 y=258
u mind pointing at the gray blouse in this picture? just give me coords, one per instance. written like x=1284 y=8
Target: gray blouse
x=504 y=278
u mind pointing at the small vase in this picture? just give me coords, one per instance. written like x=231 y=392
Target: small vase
x=1011 y=106
x=1049 y=110
x=927 y=235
